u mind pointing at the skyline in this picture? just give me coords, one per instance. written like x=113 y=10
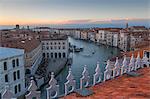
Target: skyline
x=71 y=11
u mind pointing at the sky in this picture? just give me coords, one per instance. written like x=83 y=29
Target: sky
x=71 y=11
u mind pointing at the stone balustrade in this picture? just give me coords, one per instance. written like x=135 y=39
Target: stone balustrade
x=110 y=72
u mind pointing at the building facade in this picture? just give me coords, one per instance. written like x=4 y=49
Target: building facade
x=12 y=70
x=55 y=47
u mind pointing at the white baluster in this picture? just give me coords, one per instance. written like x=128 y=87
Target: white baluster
x=97 y=76
x=70 y=83
x=53 y=89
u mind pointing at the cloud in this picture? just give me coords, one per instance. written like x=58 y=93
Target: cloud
x=99 y=21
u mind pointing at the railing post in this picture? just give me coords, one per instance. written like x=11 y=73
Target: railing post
x=124 y=67
x=145 y=61
x=70 y=83
x=97 y=76
x=117 y=68
x=131 y=64
x=138 y=62
x=84 y=81
x=53 y=89
x=33 y=91
x=108 y=71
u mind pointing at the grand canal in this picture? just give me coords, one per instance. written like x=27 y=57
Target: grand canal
x=101 y=54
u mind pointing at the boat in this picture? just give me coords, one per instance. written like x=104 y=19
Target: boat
x=86 y=55
x=77 y=50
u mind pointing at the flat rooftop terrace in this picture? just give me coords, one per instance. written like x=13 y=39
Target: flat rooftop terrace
x=10 y=52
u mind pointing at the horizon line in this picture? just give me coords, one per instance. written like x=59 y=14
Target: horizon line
x=80 y=21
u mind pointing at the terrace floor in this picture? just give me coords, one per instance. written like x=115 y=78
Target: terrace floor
x=123 y=87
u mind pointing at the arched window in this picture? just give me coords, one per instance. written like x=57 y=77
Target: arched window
x=14 y=74
x=19 y=87
x=6 y=78
x=15 y=89
x=47 y=55
x=13 y=63
x=17 y=62
x=5 y=65
x=59 y=55
x=18 y=74
x=64 y=55
x=55 y=55
x=51 y=55
x=43 y=54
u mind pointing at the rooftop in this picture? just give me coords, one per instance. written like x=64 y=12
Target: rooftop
x=55 y=37
x=123 y=87
x=9 y=52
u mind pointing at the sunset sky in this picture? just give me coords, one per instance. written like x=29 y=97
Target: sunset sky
x=71 y=11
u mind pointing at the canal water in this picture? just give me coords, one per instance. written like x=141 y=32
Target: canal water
x=101 y=54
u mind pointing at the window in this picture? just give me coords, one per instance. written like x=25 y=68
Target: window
x=59 y=55
x=63 y=43
x=19 y=87
x=18 y=74
x=47 y=55
x=6 y=78
x=63 y=47
x=55 y=55
x=5 y=65
x=13 y=63
x=58 y=47
x=17 y=62
x=51 y=47
x=64 y=55
x=55 y=43
x=51 y=55
x=47 y=48
x=14 y=74
x=15 y=89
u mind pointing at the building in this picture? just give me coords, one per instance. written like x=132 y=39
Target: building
x=92 y=35
x=56 y=46
x=84 y=35
x=124 y=40
x=12 y=72
x=102 y=36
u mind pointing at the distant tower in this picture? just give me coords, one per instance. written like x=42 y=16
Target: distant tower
x=17 y=26
x=127 y=25
x=28 y=28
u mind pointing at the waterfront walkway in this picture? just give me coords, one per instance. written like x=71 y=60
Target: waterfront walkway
x=122 y=87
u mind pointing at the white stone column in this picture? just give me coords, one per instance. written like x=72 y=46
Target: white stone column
x=124 y=67
x=97 y=76
x=71 y=83
x=116 y=68
x=33 y=91
x=108 y=71
x=53 y=89
x=131 y=64
x=138 y=62
x=84 y=80
x=145 y=61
